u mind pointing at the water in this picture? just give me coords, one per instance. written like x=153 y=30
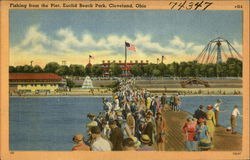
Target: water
x=49 y=123
x=191 y=103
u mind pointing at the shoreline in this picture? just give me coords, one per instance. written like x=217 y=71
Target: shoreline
x=83 y=95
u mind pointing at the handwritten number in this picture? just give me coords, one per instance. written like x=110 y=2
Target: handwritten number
x=190 y=5
x=198 y=4
x=174 y=4
x=181 y=5
x=208 y=4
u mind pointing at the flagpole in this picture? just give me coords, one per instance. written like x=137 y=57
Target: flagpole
x=125 y=60
x=89 y=59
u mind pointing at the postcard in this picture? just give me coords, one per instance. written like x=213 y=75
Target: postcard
x=124 y=79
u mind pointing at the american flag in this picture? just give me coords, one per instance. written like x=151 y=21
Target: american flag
x=130 y=47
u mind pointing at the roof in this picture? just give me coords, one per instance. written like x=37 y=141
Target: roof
x=34 y=76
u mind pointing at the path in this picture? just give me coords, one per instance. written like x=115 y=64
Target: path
x=223 y=140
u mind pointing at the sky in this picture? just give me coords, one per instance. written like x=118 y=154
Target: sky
x=44 y=36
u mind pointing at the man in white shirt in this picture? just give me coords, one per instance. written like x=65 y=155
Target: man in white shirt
x=234 y=115
x=99 y=143
x=217 y=110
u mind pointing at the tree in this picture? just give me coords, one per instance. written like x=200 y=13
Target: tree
x=37 y=69
x=115 y=69
x=63 y=70
x=162 y=68
x=77 y=70
x=234 y=67
x=27 y=69
x=12 y=69
x=97 y=70
x=19 y=69
x=173 y=68
x=188 y=72
x=136 y=70
x=70 y=84
x=156 y=72
x=148 y=69
x=88 y=70
x=51 y=67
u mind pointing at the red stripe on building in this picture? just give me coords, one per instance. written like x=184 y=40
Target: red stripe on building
x=34 y=76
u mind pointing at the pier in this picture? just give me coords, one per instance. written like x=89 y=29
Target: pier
x=175 y=141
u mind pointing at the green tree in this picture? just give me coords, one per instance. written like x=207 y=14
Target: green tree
x=97 y=70
x=19 y=69
x=12 y=69
x=63 y=70
x=37 y=69
x=203 y=70
x=51 y=67
x=148 y=69
x=156 y=72
x=162 y=68
x=70 y=84
x=77 y=70
x=174 y=69
x=211 y=70
x=188 y=72
x=27 y=69
x=88 y=70
x=234 y=67
x=115 y=69
x=136 y=70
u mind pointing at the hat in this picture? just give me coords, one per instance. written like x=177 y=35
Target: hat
x=201 y=120
x=201 y=106
x=112 y=122
x=95 y=130
x=145 y=139
x=158 y=113
x=116 y=97
x=147 y=116
x=219 y=100
x=142 y=120
x=149 y=112
x=78 y=137
x=90 y=115
x=128 y=142
x=120 y=118
x=116 y=108
x=209 y=107
x=92 y=124
x=194 y=119
x=189 y=117
x=136 y=142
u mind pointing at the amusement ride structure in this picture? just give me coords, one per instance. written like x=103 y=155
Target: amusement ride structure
x=217 y=51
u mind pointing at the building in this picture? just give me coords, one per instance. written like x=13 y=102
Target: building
x=35 y=83
x=125 y=70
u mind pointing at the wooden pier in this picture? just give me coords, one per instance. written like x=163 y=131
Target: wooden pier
x=175 y=139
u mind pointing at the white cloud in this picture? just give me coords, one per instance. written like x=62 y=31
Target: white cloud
x=177 y=42
x=65 y=45
x=34 y=36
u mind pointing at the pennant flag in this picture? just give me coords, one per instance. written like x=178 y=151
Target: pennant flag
x=91 y=57
x=130 y=47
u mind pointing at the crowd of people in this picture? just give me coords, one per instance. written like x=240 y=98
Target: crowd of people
x=132 y=121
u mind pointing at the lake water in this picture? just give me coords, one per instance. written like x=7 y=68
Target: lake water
x=49 y=123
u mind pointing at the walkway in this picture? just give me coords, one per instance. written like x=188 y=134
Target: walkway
x=223 y=141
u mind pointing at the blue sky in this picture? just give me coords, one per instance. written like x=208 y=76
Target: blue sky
x=71 y=35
